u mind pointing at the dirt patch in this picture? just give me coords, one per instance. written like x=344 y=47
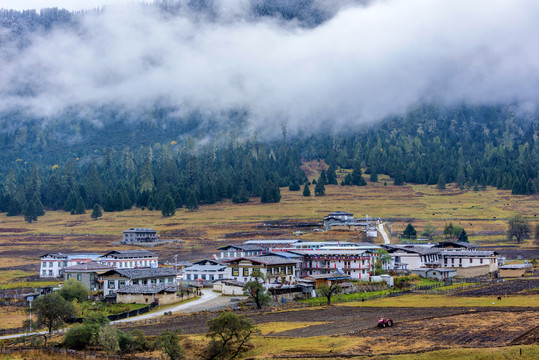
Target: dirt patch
x=13 y=230
x=512 y=287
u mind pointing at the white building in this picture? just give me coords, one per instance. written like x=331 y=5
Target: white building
x=277 y=270
x=234 y=251
x=136 y=235
x=52 y=265
x=129 y=259
x=119 y=278
x=469 y=258
x=355 y=263
x=205 y=271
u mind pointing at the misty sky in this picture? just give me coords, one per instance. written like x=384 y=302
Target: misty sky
x=365 y=63
x=61 y=4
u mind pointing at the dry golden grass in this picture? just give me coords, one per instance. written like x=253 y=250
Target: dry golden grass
x=12 y=317
x=277 y=327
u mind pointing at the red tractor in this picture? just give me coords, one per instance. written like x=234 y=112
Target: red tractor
x=383 y=322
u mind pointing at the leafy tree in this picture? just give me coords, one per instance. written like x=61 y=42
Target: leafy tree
x=168 y=342
x=72 y=290
x=53 y=310
x=80 y=336
x=409 y=232
x=448 y=230
x=30 y=213
x=256 y=290
x=306 y=190
x=229 y=335
x=168 y=208
x=519 y=228
x=429 y=230
x=141 y=341
x=96 y=212
x=80 y=209
x=108 y=339
x=328 y=291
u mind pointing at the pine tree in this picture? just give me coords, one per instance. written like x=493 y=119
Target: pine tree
x=409 y=232
x=30 y=213
x=71 y=202
x=463 y=237
x=441 y=182
x=320 y=188
x=374 y=175
x=168 y=208
x=40 y=211
x=80 y=209
x=96 y=212
x=192 y=201
x=306 y=190
x=357 y=178
x=332 y=175
x=323 y=177
x=14 y=207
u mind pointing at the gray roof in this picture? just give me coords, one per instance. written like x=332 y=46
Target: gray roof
x=340 y=212
x=233 y=283
x=285 y=254
x=140 y=230
x=143 y=273
x=515 y=266
x=421 y=250
x=89 y=266
x=198 y=267
x=467 y=253
x=146 y=289
x=330 y=276
x=266 y=260
x=241 y=247
x=459 y=244
x=271 y=242
x=126 y=254
x=329 y=252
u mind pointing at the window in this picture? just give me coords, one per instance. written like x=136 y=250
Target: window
x=111 y=284
x=471 y=261
x=161 y=281
x=289 y=270
x=154 y=281
x=79 y=277
x=480 y=261
x=50 y=272
x=235 y=271
x=245 y=271
x=135 y=282
x=203 y=276
x=44 y=272
x=220 y=276
x=170 y=280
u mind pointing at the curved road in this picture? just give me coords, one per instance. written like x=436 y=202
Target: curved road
x=383 y=232
x=209 y=300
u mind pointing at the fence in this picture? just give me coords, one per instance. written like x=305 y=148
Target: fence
x=123 y=315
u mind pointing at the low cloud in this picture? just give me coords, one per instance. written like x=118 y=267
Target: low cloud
x=363 y=64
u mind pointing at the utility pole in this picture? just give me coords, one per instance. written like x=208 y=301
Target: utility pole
x=29 y=299
x=176 y=262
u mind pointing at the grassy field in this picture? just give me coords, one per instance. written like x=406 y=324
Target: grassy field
x=416 y=300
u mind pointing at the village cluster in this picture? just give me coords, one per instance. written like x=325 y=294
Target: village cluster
x=136 y=276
